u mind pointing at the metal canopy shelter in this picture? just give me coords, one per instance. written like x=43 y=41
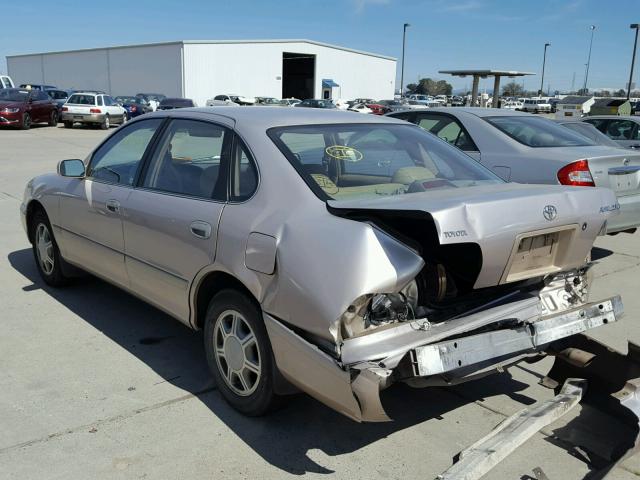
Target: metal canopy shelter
x=478 y=74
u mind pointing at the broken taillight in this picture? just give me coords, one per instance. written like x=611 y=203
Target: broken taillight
x=576 y=174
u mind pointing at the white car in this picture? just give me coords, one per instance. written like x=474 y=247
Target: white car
x=291 y=102
x=536 y=105
x=360 y=108
x=341 y=104
x=94 y=109
x=6 y=82
x=237 y=99
x=415 y=105
x=417 y=97
x=512 y=105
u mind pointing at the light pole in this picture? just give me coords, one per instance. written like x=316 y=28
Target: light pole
x=544 y=61
x=404 y=36
x=586 y=75
x=633 y=58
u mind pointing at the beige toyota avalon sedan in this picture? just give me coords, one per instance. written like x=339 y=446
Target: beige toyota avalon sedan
x=329 y=252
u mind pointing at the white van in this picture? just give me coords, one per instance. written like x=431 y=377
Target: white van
x=536 y=105
x=6 y=82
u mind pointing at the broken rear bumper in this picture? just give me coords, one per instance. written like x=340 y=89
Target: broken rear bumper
x=428 y=354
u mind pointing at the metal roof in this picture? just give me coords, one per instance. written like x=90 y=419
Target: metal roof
x=609 y=102
x=574 y=100
x=230 y=42
x=486 y=73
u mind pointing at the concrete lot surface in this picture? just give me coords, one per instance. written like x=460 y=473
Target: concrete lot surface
x=96 y=384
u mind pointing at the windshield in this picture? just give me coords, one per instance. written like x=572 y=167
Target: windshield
x=538 y=132
x=76 y=99
x=347 y=161
x=13 y=95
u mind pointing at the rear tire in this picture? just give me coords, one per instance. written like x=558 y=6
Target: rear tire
x=239 y=353
x=53 y=119
x=46 y=252
x=105 y=123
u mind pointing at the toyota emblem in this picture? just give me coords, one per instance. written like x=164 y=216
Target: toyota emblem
x=550 y=212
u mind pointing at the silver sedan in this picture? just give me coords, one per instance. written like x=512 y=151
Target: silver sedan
x=321 y=251
x=520 y=147
x=624 y=130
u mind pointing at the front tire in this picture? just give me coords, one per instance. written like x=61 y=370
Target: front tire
x=26 y=122
x=239 y=353
x=46 y=252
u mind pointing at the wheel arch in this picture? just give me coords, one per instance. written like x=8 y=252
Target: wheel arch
x=207 y=287
x=32 y=207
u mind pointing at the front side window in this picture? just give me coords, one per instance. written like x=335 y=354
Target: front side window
x=538 y=132
x=108 y=101
x=448 y=129
x=118 y=159
x=371 y=160
x=189 y=161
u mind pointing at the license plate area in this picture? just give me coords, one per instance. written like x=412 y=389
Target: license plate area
x=625 y=179
x=538 y=253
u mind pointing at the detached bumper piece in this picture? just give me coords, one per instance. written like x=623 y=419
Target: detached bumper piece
x=486 y=453
x=465 y=352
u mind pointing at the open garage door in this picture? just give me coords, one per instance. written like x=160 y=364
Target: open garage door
x=298 y=75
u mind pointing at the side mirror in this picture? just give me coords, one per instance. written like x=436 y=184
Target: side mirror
x=71 y=168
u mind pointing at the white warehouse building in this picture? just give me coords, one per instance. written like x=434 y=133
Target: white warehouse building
x=202 y=69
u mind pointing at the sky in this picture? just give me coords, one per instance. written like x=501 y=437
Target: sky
x=443 y=34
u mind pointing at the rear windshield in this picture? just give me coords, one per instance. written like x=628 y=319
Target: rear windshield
x=348 y=161
x=538 y=132
x=77 y=99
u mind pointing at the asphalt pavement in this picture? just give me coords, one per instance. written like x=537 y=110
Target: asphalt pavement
x=95 y=383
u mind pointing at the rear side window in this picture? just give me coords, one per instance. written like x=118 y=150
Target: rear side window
x=538 y=132
x=190 y=161
x=244 y=174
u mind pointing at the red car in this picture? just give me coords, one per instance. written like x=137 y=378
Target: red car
x=21 y=107
x=378 y=109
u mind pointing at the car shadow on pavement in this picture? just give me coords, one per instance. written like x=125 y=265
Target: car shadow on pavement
x=284 y=438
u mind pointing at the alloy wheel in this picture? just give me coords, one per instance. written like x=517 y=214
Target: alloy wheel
x=44 y=249
x=236 y=352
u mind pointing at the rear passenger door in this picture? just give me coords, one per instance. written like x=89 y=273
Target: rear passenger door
x=172 y=217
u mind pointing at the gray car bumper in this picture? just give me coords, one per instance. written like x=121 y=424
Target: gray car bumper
x=83 y=117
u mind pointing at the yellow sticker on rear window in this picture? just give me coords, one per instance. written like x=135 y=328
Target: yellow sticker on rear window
x=340 y=152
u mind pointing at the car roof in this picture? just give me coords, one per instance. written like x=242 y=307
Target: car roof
x=615 y=117
x=266 y=117
x=87 y=93
x=480 y=112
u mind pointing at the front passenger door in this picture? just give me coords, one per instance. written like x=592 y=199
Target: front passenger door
x=92 y=208
x=172 y=218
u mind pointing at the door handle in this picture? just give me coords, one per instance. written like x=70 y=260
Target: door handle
x=200 y=229
x=113 y=206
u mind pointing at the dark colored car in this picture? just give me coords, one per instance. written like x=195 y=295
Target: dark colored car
x=21 y=108
x=135 y=106
x=635 y=108
x=59 y=97
x=315 y=103
x=33 y=86
x=171 y=103
x=158 y=97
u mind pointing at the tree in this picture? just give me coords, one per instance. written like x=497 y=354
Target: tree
x=428 y=86
x=512 y=89
x=620 y=93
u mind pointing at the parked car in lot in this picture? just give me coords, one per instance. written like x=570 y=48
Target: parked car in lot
x=523 y=148
x=415 y=105
x=60 y=97
x=22 y=108
x=360 y=108
x=624 y=130
x=235 y=99
x=315 y=103
x=34 y=86
x=92 y=109
x=512 y=105
x=589 y=131
x=399 y=246
x=135 y=106
x=270 y=101
x=173 y=103
x=290 y=102
x=6 y=82
x=152 y=99
x=378 y=108
x=392 y=105
x=535 y=105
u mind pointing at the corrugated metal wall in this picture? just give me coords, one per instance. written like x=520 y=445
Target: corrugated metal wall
x=119 y=71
